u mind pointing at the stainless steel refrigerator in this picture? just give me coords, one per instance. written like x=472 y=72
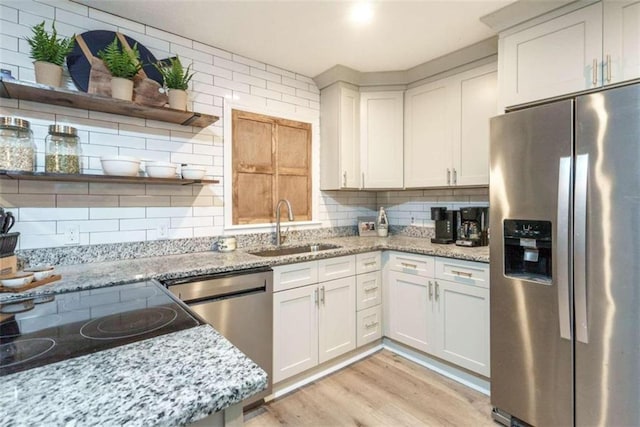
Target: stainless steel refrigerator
x=565 y=261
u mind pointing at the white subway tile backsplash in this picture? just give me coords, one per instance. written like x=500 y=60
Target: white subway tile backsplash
x=35 y=8
x=212 y=50
x=168 y=212
x=251 y=80
x=98 y=138
x=230 y=65
x=172 y=38
x=143 y=131
x=277 y=87
x=9 y=14
x=191 y=222
x=281 y=71
x=196 y=159
x=53 y=214
x=116 y=237
x=295 y=83
x=229 y=84
x=116 y=213
x=188 y=55
x=89 y=226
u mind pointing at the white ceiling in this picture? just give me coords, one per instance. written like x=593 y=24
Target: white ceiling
x=310 y=36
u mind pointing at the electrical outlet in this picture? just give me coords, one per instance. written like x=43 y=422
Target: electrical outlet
x=163 y=230
x=72 y=235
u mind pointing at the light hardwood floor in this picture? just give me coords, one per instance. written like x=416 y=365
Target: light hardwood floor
x=381 y=390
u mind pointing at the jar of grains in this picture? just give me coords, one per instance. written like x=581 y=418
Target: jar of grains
x=62 y=150
x=17 y=149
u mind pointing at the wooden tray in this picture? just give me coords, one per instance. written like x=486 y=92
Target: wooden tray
x=32 y=285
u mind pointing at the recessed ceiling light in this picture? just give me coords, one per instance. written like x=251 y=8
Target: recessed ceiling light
x=361 y=13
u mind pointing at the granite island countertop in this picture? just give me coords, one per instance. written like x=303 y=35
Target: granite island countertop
x=100 y=274
x=173 y=379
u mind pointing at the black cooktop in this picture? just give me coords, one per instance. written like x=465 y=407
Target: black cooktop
x=48 y=329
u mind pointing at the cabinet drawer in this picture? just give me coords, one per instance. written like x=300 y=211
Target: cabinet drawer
x=368 y=290
x=419 y=265
x=371 y=261
x=465 y=272
x=336 y=268
x=369 y=325
x=294 y=275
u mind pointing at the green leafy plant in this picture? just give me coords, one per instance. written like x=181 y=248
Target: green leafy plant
x=120 y=62
x=48 y=47
x=174 y=74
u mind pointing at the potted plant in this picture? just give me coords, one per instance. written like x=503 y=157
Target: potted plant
x=123 y=66
x=48 y=52
x=176 y=80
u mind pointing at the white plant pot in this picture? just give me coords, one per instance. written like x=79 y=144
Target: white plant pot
x=48 y=73
x=121 y=88
x=178 y=99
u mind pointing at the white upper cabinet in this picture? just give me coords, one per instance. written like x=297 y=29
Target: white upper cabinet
x=584 y=49
x=428 y=155
x=381 y=137
x=621 y=53
x=478 y=95
x=447 y=129
x=340 y=132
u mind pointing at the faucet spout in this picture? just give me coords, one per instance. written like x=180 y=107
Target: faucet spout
x=290 y=214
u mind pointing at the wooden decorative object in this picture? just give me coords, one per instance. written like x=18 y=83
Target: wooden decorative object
x=145 y=91
x=8 y=265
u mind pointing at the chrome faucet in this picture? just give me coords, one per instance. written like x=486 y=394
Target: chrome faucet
x=289 y=211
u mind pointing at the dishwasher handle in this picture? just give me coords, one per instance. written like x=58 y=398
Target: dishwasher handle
x=216 y=288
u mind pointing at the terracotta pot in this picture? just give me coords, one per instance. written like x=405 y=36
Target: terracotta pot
x=48 y=73
x=178 y=99
x=121 y=88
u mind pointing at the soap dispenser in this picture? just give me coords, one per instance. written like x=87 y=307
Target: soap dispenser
x=383 y=223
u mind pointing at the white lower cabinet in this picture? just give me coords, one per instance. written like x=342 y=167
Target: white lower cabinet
x=410 y=315
x=312 y=323
x=295 y=331
x=369 y=325
x=463 y=325
x=446 y=315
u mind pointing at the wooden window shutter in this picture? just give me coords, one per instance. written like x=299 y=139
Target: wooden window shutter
x=271 y=161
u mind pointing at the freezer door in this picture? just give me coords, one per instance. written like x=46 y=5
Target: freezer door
x=607 y=253
x=531 y=364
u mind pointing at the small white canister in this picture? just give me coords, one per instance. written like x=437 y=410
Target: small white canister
x=227 y=244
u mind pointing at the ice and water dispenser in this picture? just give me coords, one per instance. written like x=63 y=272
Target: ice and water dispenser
x=527 y=250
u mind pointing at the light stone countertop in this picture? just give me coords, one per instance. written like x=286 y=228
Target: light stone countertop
x=173 y=379
x=100 y=274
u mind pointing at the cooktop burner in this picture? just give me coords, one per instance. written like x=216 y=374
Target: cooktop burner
x=25 y=350
x=130 y=324
x=73 y=324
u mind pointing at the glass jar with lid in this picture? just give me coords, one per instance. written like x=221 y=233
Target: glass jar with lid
x=62 y=150
x=17 y=149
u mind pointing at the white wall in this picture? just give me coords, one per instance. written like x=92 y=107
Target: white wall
x=109 y=213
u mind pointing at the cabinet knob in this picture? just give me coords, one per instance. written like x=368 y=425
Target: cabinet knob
x=430 y=290
x=448 y=176
x=455 y=176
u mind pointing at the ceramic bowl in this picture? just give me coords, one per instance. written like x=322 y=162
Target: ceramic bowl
x=120 y=165
x=40 y=271
x=193 y=172
x=16 y=280
x=160 y=169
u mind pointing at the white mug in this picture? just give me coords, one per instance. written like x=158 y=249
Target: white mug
x=227 y=244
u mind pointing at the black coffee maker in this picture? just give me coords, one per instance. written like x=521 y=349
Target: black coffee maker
x=473 y=227
x=446 y=225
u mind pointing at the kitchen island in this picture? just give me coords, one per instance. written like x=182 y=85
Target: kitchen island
x=173 y=379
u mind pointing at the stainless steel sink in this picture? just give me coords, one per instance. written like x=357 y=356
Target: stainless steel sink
x=292 y=250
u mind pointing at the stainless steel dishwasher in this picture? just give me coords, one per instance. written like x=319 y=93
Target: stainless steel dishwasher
x=239 y=305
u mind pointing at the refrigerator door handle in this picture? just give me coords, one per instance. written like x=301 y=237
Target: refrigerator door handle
x=580 y=249
x=562 y=245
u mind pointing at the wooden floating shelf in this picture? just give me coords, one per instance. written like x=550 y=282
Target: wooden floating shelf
x=43 y=176
x=29 y=91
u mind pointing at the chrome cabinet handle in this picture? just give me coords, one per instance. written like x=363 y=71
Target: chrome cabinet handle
x=315 y=297
x=370 y=325
x=370 y=288
x=437 y=291
x=595 y=72
x=430 y=290
x=562 y=242
x=448 y=176
x=367 y=264
x=344 y=178
x=407 y=265
x=461 y=273
x=580 y=248
x=608 y=68
x=322 y=295
x=455 y=176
